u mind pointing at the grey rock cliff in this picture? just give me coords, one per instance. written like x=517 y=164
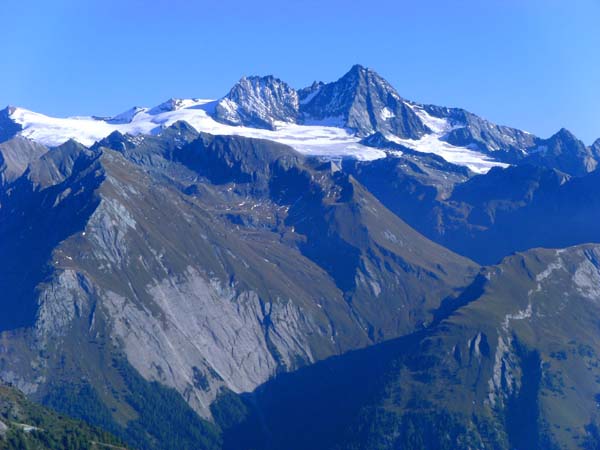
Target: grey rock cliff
x=258 y=102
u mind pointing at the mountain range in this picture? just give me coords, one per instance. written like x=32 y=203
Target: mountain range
x=231 y=273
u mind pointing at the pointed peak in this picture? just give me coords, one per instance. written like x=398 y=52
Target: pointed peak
x=259 y=102
x=359 y=68
x=565 y=132
x=564 y=135
x=115 y=135
x=173 y=104
x=71 y=145
x=117 y=141
x=360 y=71
x=356 y=71
x=8 y=110
x=258 y=83
x=307 y=93
x=180 y=130
x=126 y=116
x=359 y=74
x=316 y=85
x=182 y=125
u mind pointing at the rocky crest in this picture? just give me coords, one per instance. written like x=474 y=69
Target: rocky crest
x=362 y=101
x=258 y=102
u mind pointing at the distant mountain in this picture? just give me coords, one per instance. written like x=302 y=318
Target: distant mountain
x=536 y=208
x=486 y=217
x=513 y=362
x=359 y=116
x=258 y=102
x=563 y=151
x=469 y=130
x=363 y=101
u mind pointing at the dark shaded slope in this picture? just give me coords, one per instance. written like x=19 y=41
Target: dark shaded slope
x=8 y=128
x=487 y=217
x=514 y=366
x=311 y=407
x=50 y=202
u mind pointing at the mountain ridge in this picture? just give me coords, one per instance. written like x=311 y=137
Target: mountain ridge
x=326 y=120
x=227 y=274
x=274 y=261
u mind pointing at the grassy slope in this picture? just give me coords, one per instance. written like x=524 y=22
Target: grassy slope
x=31 y=426
x=514 y=363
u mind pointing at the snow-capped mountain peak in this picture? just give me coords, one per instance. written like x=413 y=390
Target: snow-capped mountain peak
x=258 y=102
x=330 y=120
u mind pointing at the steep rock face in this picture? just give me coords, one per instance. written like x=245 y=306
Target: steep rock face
x=189 y=327
x=363 y=101
x=8 y=127
x=15 y=155
x=306 y=94
x=44 y=206
x=208 y=263
x=258 y=102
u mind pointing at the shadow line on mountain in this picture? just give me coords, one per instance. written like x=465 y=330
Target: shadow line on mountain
x=315 y=406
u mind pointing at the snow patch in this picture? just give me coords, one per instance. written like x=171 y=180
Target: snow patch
x=386 y=114
x=326 y=138
x=432 y=143
x=587 y=280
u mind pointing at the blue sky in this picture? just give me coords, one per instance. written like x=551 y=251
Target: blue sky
x=532 y=64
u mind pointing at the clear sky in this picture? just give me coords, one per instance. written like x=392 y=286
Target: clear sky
x=532 y=64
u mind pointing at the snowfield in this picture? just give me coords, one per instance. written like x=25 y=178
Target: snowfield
x=433 y=143
x=321 y=139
